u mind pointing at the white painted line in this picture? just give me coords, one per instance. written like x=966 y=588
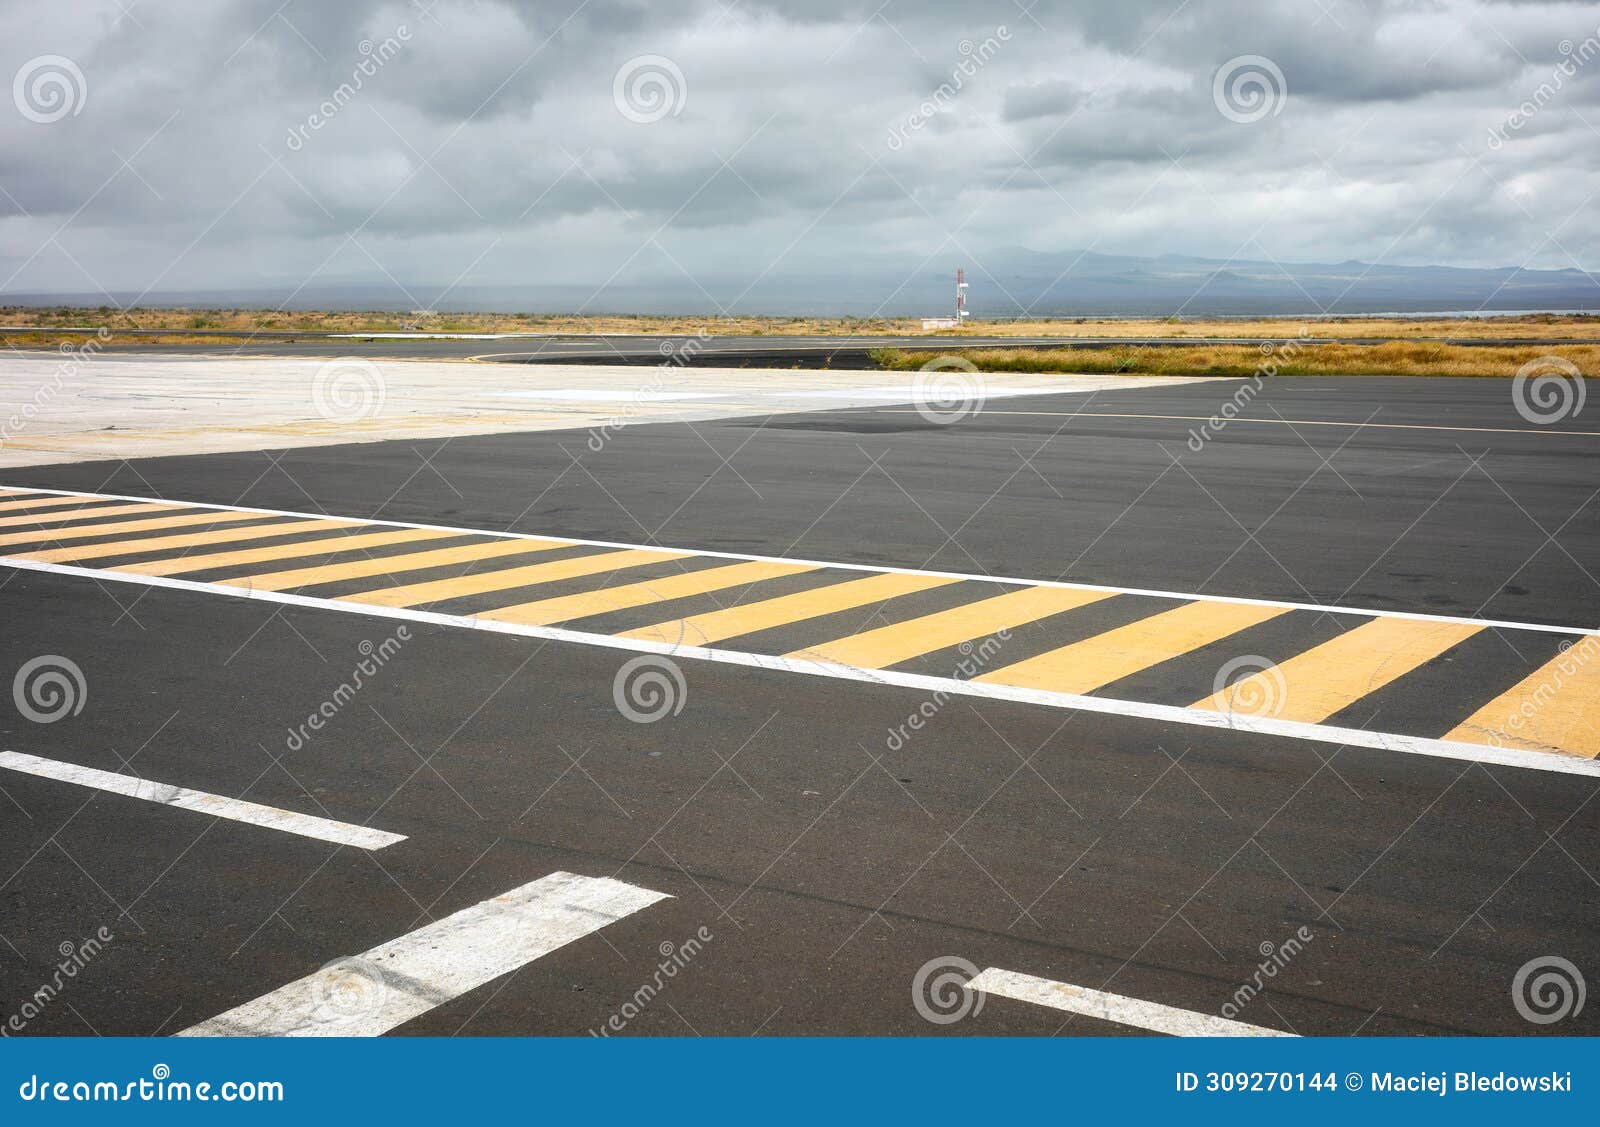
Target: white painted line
x=602 y=395
x=1171 y=714
x=917 y=395
x=1365 y=612
x=306 y=825
x=389 y=985
x=425 y=336
x=1542 y=432
x=1113 y=1007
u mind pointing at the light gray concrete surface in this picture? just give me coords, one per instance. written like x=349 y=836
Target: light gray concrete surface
x=82 y=406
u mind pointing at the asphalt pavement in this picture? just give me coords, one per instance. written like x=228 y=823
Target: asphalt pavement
x=703 y=350
x=813 y=807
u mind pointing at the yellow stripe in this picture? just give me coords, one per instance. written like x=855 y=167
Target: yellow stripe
x=441 y=589
x=82 y=514
x=83 y=531
x=1084 y=666
x=568 y=607
x=44 y=503
x=390 y=565
x=1556 y=708
x=901 y=641
x=1314 y=685
x=715 y=625
x=147 y=544
x=301 y=549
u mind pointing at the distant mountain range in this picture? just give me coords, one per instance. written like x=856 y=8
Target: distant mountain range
x=1008 y=282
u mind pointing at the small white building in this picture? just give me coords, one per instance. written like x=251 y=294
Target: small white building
x=961 y=313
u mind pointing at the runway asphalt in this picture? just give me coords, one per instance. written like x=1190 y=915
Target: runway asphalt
x=832 y=806
x=719 y=351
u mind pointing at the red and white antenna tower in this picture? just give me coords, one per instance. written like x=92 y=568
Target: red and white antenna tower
x=961 y=296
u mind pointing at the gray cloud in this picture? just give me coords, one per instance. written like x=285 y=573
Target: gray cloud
x=488 y=146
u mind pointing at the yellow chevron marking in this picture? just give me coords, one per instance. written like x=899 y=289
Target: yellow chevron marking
x=82 y=514
x=45 y=503
x=1086 y=665
x=1312 y=686
x=716 y=625
x=441 y=589
x=390 y=565
x=1555 y=708
x=143 y=545
x=113 y=527
x=300 y=549
x=901 y=641
x=568 y=607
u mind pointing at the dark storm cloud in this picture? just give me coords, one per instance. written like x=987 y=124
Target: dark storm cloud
x=254 y=142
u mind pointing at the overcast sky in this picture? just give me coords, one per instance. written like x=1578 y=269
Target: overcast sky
x=185 y=144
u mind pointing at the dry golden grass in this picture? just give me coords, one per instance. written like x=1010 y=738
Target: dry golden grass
x=1543 y=325
x=43 y=338
x=1395 y=358
x=248 y=321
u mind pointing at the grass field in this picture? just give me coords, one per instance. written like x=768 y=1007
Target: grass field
x=245 y=323
x=1395 y=358
x=46 y=338
x=1573 y=327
